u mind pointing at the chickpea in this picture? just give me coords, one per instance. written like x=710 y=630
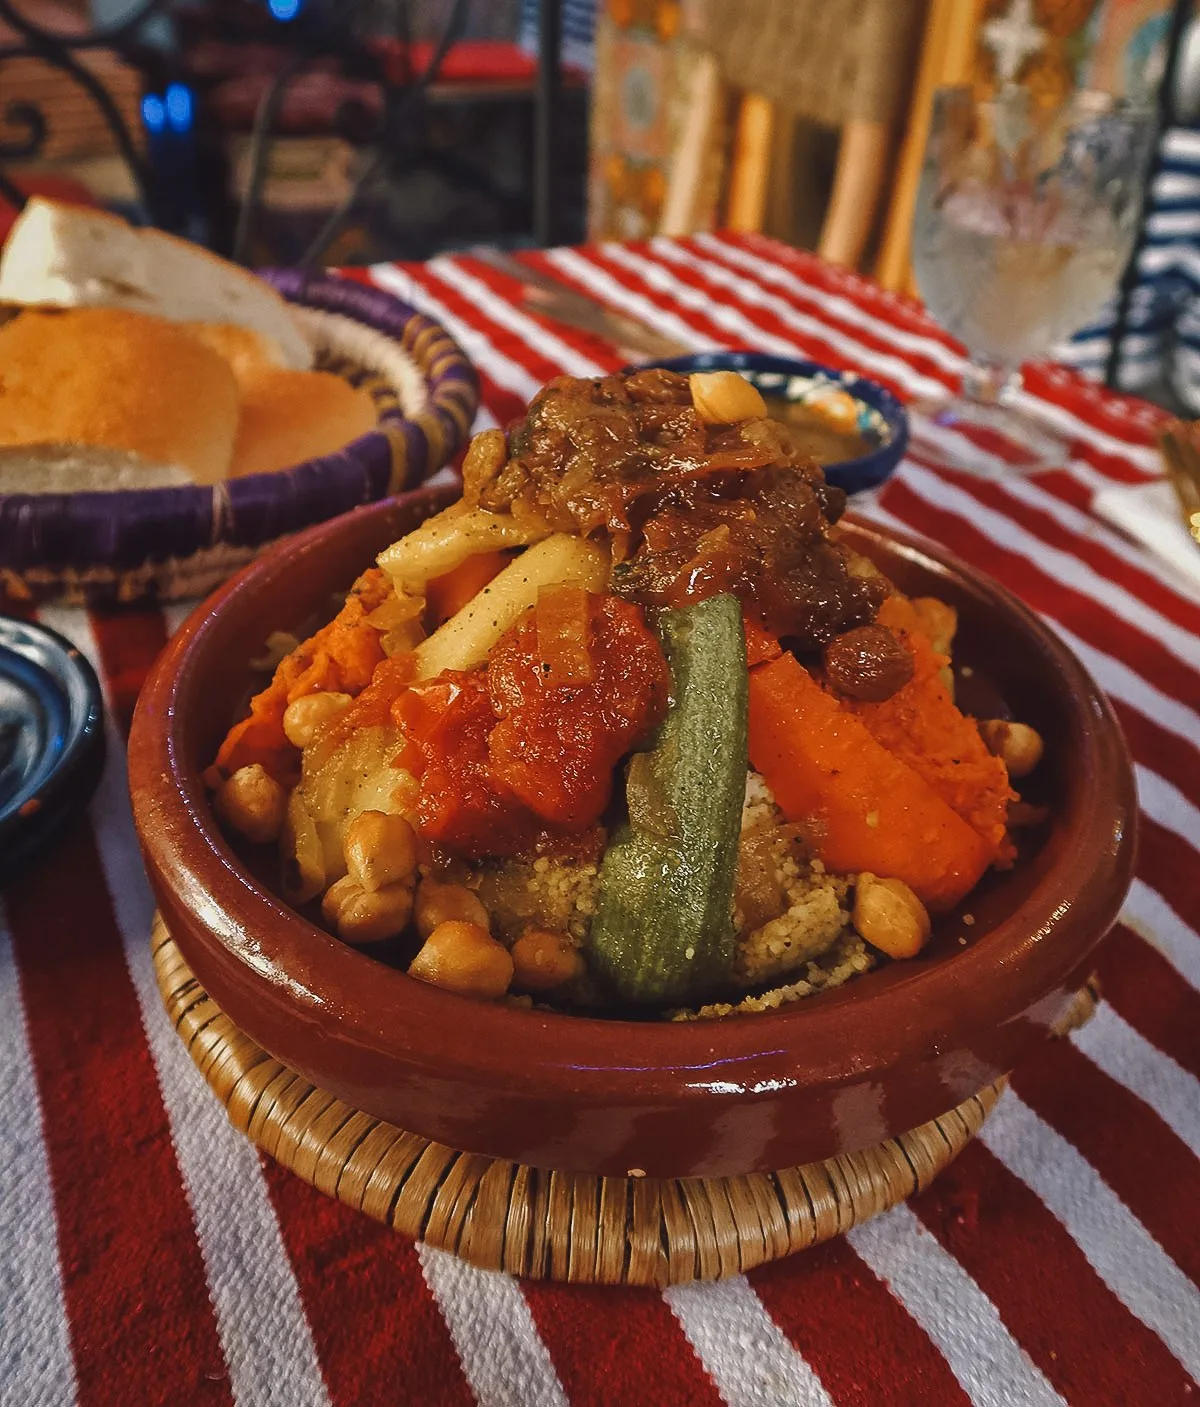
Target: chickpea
x=1018 y=746
x=363 y=916
x=439 y=901
x=544 y=960
x=890 y=916
x=463 y=958
x=253 y=803
x=306 y=716
x=380 y=850
x=722 y=397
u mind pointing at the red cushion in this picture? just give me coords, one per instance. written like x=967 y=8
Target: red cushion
x=470 y=61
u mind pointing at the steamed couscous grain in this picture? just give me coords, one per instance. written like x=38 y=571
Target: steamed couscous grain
x=846 y=958
x=550 y=892
x=812 y=924
x=787 y=910
x=790 y=915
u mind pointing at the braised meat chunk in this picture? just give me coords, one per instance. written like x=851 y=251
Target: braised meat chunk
x=689 y=508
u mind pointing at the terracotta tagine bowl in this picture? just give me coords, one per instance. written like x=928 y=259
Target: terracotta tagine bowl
x=829 y=1075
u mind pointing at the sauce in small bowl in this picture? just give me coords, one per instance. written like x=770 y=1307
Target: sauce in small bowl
x=855 y=428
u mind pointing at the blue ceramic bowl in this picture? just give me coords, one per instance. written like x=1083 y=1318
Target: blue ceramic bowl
x=882 y=420
x=51 y=738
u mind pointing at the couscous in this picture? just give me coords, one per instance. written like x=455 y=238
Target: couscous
x=627 y=729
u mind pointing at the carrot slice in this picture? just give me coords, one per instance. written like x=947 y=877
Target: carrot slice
x=871 y=810
x=446 y=595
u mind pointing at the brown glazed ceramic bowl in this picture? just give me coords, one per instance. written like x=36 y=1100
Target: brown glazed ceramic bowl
x=831 y=1074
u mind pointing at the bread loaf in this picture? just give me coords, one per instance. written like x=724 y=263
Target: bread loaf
x=62 y=468
x=290 y=416
x=68 y=257
x=118 y=380
x=248 y=352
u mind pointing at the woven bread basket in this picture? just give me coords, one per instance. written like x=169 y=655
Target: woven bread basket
x=175 y=543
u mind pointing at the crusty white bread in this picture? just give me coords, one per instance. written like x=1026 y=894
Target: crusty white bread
x=290 y=416
x=69 y=257
x=119 y=380
x=59 y=468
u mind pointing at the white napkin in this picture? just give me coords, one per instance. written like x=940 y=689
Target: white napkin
x=1149 y=513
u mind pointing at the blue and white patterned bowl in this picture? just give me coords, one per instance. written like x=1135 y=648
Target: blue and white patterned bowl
x=882 y=420
x=173 y=543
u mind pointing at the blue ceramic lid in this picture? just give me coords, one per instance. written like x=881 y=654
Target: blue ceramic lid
x=51 y=737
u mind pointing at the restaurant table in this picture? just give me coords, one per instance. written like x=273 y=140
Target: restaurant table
x=149 y=1254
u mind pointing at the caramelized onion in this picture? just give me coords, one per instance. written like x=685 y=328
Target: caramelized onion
x=563 y=635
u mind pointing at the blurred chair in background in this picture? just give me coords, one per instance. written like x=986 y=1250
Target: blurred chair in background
x=948 y=54
x=48 y=111
x=703 y=114
x=845 y=68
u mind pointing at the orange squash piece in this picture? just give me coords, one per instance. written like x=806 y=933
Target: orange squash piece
x=921 y=725
x=341 y=656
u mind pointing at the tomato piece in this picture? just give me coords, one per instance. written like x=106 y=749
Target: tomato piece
x=510 y=756
x=448 y=721
x=558 y=742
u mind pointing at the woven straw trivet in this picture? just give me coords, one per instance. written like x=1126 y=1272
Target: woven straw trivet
x=550 y=1225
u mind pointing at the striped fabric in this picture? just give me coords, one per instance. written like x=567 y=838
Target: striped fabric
x=1161 y=345
x=150 y=1256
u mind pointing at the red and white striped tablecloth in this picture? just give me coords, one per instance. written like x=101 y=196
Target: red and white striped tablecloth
x=148 y=1255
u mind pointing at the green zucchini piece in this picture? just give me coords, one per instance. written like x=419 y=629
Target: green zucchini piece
x=663 y=929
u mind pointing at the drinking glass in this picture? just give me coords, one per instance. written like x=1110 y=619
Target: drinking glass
x=1026 y=216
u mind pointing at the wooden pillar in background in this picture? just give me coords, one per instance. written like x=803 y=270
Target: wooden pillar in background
x=947 y=57
x=751 y=166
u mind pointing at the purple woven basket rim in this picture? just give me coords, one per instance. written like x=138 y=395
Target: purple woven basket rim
x=84 y=530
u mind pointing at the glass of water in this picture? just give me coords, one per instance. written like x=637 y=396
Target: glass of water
x=1026 y=216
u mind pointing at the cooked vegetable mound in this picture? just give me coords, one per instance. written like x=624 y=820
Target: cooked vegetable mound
x=627 y=729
